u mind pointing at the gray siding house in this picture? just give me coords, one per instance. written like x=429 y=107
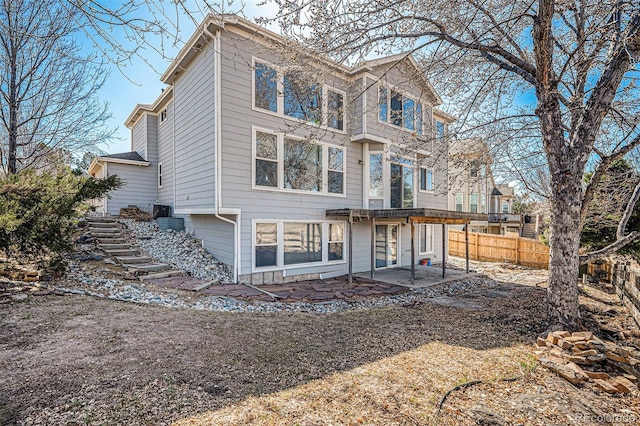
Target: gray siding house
x=277 y=159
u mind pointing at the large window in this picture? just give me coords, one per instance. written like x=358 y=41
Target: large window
x=302 y=165
x=425 y=238
x=459 y=202
x=483 y=203
x=401 y=183
x=285 y=163
x=297 y=95
x=375 y=176
x=302 y=243
x=266 y=87
x=286 y=243
x=266 y=253
x=426 y=179
x=266 y=159
x=473 y=203
x=399 y=109
x=302 y=97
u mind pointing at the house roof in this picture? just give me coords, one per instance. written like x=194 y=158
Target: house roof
x=154 y=108
x=131 y=158
x=496 y=192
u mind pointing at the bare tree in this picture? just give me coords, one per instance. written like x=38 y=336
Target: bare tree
x=575 y=59
x=47 y=86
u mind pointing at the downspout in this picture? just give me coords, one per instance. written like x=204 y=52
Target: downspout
x=173 y=148
x=217 y=101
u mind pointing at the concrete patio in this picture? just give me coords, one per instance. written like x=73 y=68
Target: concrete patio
x=425 y=276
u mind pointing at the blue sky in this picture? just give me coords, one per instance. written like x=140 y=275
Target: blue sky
x=139 y=82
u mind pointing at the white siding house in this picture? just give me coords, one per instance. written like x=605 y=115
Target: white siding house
x=267 y=152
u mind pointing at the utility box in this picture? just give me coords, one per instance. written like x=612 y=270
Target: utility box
x=173 y=223
x=161 y=211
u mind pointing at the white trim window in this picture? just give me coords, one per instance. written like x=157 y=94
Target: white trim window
x=400 y=110
x=289 y=244
x=402 y=187
x=439 y=129
x=426 y=179
x=459 y=201
x=473 y=203
x=483 y=203
x=284 y=162
x=160 y=174
x=425 y=238
x=266 y=244
x=297 y=95
x=163 y=115
x=505 y=207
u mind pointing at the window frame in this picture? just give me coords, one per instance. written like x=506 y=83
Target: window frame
x=280 y=187
x=325 y=88
x=393 y=159
x=456 y=196
x=164 y=115
x=405 y=95
x=159 y=175
x=421 y=229
x=428 y=171
x=471 y=203
x=280 y=265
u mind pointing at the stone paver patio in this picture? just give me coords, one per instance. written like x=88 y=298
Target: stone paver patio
x=314 y=291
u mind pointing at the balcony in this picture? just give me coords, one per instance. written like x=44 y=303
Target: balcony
x=505 y=218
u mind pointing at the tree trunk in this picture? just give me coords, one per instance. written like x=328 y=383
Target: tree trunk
x=562 y=294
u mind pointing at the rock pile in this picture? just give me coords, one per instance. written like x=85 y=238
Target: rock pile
x=17 y=274
x=180 y=250
x=582 y=357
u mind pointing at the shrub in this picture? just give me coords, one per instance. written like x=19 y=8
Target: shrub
x=39 y=212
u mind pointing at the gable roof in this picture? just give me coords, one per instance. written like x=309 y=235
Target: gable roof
x=131 y=158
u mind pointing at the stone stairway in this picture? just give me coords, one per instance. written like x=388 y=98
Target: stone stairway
x=529 y=230
x=111 y=241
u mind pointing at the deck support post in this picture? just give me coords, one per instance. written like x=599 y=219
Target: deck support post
x=466 y=245
x=350 y=249
x=444 y=250
x=373 y=247
x=413 y=253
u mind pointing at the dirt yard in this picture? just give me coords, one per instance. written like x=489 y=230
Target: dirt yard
x=81 y=360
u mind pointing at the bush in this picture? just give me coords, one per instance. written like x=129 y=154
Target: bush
x=39 y=212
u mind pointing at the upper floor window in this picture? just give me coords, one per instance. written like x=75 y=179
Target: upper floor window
x=473 y=203
x=375 y=175
x=483 y=203
x=439 y=128
x=474 y=169
x=286 y=163
x=505 y=207
x=458 y=201
x=399 y=110
x=297 y=95
x=163 y=116
x=401 y=183
x=266 y=87
x=426 y=179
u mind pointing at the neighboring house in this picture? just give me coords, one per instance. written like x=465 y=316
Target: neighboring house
x=472 y=189
x=287 y=165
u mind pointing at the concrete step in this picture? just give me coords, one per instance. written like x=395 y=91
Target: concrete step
x=133 y=260
x=121 y=252
x=159 y=275
x=102 y=225
x=98 y=219
x=148 y=267
x=101 y=235
x=112 y=239
x=116 y=246
x=104 y=230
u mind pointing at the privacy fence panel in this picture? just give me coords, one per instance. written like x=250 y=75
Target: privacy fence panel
x=499 y=248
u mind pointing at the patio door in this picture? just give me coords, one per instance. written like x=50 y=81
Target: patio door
x=386 y=246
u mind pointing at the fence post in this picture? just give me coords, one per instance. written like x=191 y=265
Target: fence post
x=517 y=250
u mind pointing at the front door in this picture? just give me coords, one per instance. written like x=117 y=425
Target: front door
x=386 y=246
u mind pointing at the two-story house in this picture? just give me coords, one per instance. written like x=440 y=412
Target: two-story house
x=472 y=189
x=288 y=165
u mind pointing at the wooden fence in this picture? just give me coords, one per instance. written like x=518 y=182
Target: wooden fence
x=498 y=248
x=626 y=278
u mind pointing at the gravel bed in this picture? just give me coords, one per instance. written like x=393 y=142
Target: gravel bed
x=81 y=280
x=178 y=249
